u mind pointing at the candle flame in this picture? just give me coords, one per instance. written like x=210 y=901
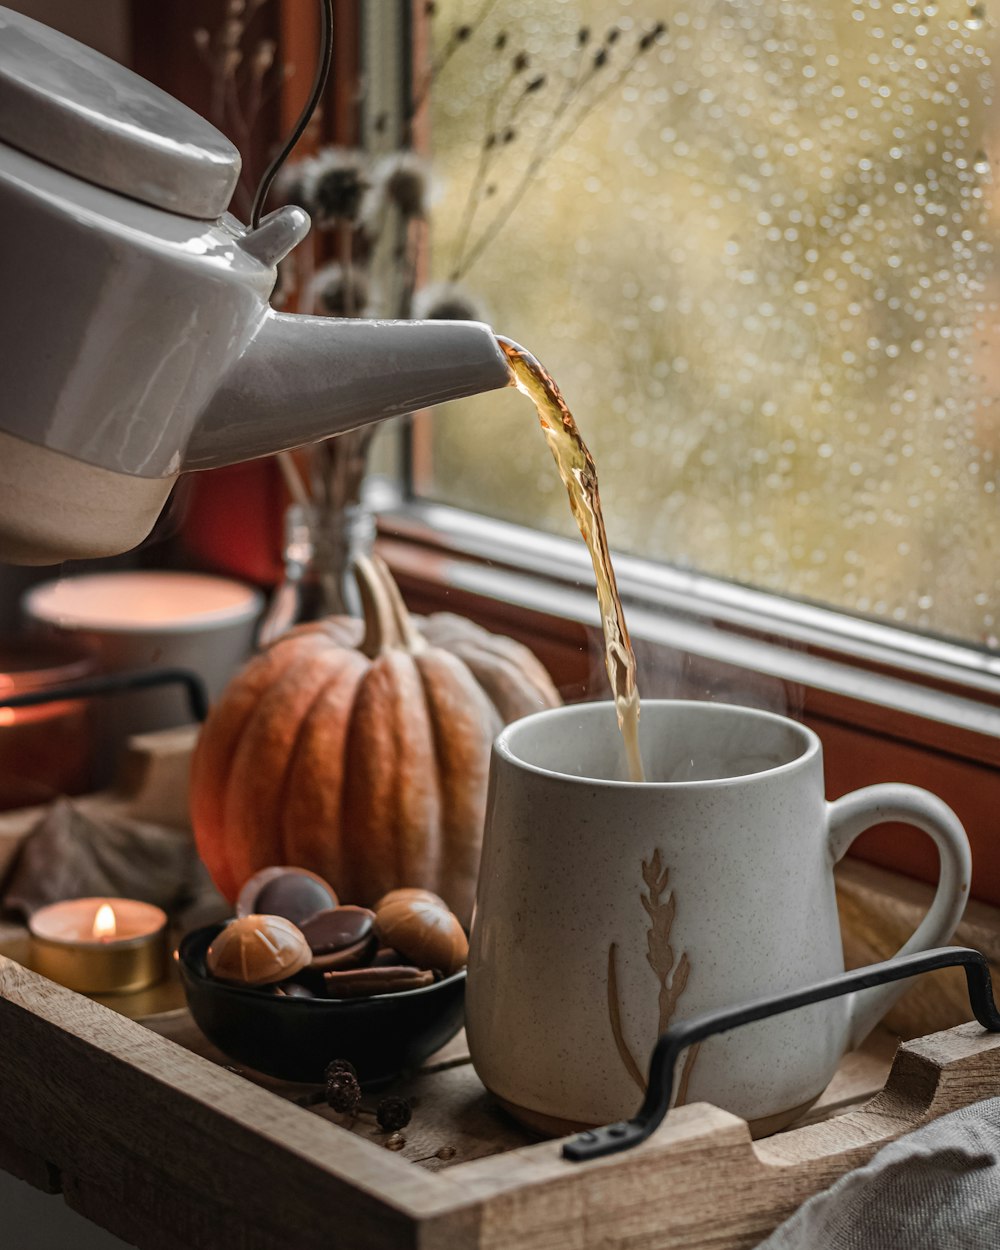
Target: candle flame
x=105 y=924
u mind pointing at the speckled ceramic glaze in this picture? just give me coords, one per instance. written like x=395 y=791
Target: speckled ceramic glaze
x=606 y=909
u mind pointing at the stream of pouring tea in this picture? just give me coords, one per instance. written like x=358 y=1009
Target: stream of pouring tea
x=577 y=470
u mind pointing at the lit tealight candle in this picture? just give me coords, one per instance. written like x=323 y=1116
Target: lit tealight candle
x=100 y=945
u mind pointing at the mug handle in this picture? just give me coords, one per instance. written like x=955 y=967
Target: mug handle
x=852 y=814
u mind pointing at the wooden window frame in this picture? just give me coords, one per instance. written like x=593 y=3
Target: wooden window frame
x=887 y=704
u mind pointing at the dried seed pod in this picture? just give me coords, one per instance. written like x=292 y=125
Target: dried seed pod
x=423 y=930
x=343 y=1093
x=339 y=1065
x=258 y=950
x=393 y=1114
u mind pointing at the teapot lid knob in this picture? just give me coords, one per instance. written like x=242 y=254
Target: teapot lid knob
x=71 y=107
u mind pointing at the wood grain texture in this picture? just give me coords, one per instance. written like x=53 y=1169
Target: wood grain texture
x=878 y=912
x=27 y=1166
x=700 y=1181
x=147 y=1134
x=169 y=1150
x=196 y=1148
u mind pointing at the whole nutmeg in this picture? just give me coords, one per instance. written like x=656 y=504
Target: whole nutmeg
x=419 y=925
x=258 y=950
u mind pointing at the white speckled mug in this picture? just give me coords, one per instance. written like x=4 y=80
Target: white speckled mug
x=606 y=909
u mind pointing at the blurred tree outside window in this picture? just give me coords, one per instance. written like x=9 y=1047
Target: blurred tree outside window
x=759 y=259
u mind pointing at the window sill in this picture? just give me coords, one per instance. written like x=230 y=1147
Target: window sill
x=887 y=705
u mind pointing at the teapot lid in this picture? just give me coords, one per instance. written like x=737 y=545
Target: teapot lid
x=71 y=107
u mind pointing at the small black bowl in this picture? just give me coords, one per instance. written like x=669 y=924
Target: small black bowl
x=295 y=1038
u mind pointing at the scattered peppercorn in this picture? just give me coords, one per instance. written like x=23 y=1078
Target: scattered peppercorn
x=343 y=1093
x=393 y=1114
x=336 y=1066
x=521 y=62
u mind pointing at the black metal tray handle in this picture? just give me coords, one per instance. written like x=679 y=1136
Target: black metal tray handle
x=614 y=1137
x=118 y=683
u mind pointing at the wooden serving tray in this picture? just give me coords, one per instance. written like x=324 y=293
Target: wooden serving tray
x=144 y=1129
x=167 y=1148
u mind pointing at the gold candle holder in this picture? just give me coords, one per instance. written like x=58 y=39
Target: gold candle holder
x=100 y=945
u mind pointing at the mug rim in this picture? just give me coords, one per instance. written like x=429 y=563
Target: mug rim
x=811 y=746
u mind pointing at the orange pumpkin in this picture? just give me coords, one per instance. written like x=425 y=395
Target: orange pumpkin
x=360 y=750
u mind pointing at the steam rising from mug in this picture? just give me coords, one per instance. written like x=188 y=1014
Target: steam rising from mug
x=138 y=342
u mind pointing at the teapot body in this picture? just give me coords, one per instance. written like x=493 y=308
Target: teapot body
x=119 y=318
x=137 y=338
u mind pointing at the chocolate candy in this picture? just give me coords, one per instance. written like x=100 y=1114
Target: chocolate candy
x=363 y=982
x=419 y=925
x=293 y=893
x=257 y=950
x=340 y=937
x=386 y=957
x=293 y=989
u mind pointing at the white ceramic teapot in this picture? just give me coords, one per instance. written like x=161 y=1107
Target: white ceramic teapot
x=136 y=338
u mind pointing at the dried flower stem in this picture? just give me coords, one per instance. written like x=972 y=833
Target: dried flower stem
x=459 y=36
x=293 y=478
x=487 y=153
x=551 y=139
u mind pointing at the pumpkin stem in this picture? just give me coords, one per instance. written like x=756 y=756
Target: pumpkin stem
x=387 y=622
x=408 y=632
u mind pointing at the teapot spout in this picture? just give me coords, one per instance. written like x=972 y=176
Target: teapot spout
x=302 y=379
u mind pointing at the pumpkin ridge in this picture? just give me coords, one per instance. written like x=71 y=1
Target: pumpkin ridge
x=312 y=822
x=300 y=730
x=216 y=749
x=464 y=722
x=393 y=804
x=428 y=839
x=251 y=808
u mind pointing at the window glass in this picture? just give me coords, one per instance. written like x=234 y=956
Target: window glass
x=759 y=259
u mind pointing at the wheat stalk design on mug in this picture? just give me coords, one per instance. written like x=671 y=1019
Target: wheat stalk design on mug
x=660 y=906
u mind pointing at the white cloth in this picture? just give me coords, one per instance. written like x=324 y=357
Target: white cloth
x=937 y=1188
